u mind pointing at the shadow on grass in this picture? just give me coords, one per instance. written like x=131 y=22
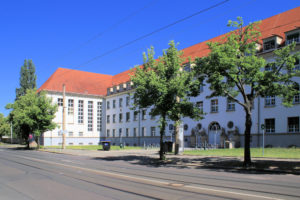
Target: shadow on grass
x=223 y=164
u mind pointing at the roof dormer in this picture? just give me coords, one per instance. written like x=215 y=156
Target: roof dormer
x=292 y=36
x=272 y=42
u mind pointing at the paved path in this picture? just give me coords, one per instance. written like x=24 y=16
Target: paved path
x=42 y=175
x=268 y=165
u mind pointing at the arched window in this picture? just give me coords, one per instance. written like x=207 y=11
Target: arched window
x=214 y=126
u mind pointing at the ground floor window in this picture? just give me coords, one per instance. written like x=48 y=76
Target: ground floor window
x=127 y=132
x=143 y=131
x=134 y=132
x=153 y=131
x=293 y=124
x=270 y=125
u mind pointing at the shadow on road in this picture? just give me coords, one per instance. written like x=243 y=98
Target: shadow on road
x=234 y=165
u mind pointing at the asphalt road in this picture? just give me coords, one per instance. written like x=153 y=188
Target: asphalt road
x=42 y=175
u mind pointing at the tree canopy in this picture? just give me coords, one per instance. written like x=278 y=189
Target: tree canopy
x=233 y=69
x=27 y=78
x=4 y=126
x=32 y=114
x=164 y=86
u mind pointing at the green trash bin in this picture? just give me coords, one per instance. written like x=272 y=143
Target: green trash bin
x=168 y=146
x=105 y=145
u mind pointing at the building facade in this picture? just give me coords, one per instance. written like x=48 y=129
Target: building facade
x=100 y=106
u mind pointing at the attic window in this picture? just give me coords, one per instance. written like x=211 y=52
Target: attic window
x=292 y=38
x=128 y=85
x=269 y=45
x=187 y=68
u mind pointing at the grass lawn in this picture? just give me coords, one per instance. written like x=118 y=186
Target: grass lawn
x=92 y=147
x=255 y=152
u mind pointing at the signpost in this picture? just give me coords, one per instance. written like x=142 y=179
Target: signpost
x=263 y=141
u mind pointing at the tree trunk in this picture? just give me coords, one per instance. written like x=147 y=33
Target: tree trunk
x=247 y=135
x=38 y=142
x=176 y=151
x=162 y=131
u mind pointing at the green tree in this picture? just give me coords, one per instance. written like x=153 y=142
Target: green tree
x=234 y=70
x=32 y=114
x=4 y=126
x=163 y=85
x=27 y=78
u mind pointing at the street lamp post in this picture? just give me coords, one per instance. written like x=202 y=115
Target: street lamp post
x=263 y=139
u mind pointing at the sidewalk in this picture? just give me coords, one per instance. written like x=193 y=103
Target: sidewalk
x=150 y=158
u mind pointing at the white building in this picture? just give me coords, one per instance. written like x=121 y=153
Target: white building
x=99 y=105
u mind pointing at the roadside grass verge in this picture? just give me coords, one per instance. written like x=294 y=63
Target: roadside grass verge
x=91 y=147
x=255 y=152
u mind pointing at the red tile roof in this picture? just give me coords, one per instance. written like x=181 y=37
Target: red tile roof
x=97 y=84
x=275 y=25
x=78 y=82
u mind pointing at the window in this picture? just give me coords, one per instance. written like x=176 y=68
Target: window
x=120 y=132
x=269 y=45
x=293 y=124
x=90 y=116
x=108 y=119
x=143 y=131
x=99 y=118
x=60 y=102
x=187 y=68
x=153 y=131
x=70 y=143
x=59 y=133
x=70 y=134
x=292 y=38
x=214 y=106
x=134 y=132
x=114 y=133
x=107 y=133
x=143 y=114
x=199 y=104
x=296 y=99
x=185 y=127
x=127 y=132
x=120 y=117
x=127 y=116
x=70 y=107
x=114 y=118
x=297 y=65
x=120 y=102
x=108 y=105
x=270 y=125
x=151 y=116
x=269 y=67
x=270 y=101
x=80 y=111
x=127 y=100
x=230 y=105
x=135 y=115
x=114 y=103
x=80 y=134
x=171 y=127
x=128 y=85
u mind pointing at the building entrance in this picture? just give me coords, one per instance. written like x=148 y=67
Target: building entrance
x=214 y=134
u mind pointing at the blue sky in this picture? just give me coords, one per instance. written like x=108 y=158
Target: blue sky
x=58 y=33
